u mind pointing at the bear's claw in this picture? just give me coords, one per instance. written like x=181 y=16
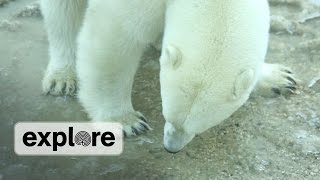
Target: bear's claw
x=277 y=78
x=134 y=124
x=289 y=83
x=292 y=80
x=59 y=83
x=136 y=129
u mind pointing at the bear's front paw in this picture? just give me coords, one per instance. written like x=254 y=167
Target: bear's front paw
x=276 y=80
x=60 y=82
x=133 y=123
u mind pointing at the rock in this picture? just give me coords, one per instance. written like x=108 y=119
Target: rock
x=32 y=10
x=10 y=25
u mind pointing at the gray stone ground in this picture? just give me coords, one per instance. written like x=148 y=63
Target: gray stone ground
x=276 y=138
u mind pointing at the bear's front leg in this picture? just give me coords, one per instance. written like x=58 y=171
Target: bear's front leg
x=108 y=57
x=62 y=19
x=275 y=79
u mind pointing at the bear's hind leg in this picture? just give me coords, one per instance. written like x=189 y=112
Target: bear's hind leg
x=275 y=79
x=63 y=19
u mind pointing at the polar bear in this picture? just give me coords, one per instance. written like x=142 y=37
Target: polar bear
x=212 y=58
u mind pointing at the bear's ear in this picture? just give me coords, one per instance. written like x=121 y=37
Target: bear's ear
x=243 y=83
x=171 y=56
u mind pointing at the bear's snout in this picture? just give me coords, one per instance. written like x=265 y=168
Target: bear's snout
x=174 y=140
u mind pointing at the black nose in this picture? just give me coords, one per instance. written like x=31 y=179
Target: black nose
x=172 y=152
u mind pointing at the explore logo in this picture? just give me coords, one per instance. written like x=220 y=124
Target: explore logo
x=48 y=138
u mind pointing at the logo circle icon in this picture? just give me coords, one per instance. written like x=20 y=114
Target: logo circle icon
x=82 y=138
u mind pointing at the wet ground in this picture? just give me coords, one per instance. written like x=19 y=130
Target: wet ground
x=276 y=138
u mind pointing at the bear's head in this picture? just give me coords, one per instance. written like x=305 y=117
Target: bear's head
x=198 y=94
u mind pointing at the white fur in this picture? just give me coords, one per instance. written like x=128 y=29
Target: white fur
x=221 y=62
x=63 y=19
x=108 y=61
x=213 y=54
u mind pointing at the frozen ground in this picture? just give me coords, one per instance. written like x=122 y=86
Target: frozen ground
x=275 y=138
